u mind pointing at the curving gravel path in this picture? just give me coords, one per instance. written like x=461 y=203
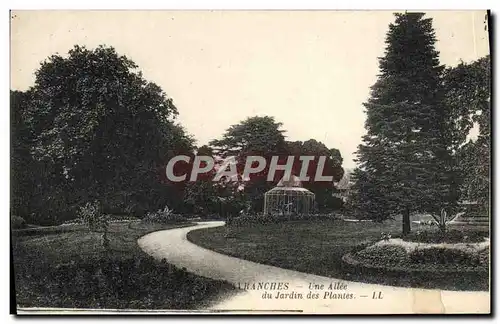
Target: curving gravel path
x=345 y=298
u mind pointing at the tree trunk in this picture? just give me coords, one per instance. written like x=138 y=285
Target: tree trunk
x=406 y=222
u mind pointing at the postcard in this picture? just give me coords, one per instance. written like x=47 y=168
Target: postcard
x=250 y=162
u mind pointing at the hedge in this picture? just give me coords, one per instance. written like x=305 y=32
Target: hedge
x=465 y=277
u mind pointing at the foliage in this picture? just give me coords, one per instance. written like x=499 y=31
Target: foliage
x=405 y=158
x=468 y=92
x=263 y=136
x=452 y=276
x=92 y=128
x=441 y=255
x=164 y=216
x=323 y=190
x=254 y=219
x=17 y=222
x=388 y=255
x=385 y=236
x=484 y=257
x=255 y=136
x=22 y=164
x=92 y=216
x=134 y=283
x=450 y=236
x=208 y=197
x=274 y=219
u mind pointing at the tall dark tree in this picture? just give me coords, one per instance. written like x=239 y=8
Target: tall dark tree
x=405 y=159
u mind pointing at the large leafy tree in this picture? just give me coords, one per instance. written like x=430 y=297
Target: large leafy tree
x=468 y=93
x=323 y=190
x=23 y=167
x=405 y=159
x=254 y=136
x=101 y=131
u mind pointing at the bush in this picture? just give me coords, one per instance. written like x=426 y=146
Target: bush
x=441 y=255
x=450 y=236
x=17 y=222
x=484 y=257
x=253 y=219
x=165 y=216
x=47 y=230
x=274 y=219
x=319 y=216
x=111 y=219
x=418 y=275
x=91 y=215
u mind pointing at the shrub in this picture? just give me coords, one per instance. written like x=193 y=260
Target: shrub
x=122 y=218
x=47 y=230
x=253 y=219
x=320 y=216
x=111 y=219
x=441 y=255
x=274 y=219
x=17 y=222
x=484 y=257
x=384 y=255
x=385 y=236
x=90 y=215
x=165 y=216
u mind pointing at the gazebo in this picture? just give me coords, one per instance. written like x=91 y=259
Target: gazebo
x=288 y=198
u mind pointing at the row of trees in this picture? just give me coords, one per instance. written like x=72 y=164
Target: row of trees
x=416 y=155
x=92 y=129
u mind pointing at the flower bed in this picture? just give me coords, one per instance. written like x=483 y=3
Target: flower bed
x=397 y=257
x=450 y=236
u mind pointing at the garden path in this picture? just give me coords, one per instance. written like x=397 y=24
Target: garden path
x=176 y=249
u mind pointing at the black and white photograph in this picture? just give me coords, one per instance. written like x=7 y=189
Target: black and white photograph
x=250 y=162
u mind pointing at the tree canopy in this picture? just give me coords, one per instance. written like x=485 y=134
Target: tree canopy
x=468 y=93
x=100 y=131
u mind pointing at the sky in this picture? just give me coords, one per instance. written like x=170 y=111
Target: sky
x=311 y=70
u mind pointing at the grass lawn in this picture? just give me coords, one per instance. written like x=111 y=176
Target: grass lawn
x=71 y=269
x=309 y=246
